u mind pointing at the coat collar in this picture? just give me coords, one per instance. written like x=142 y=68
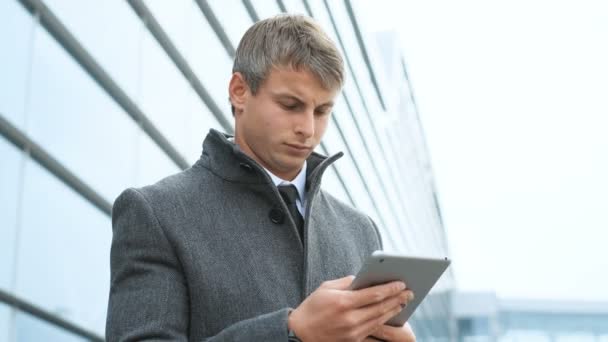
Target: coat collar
x=227 y=161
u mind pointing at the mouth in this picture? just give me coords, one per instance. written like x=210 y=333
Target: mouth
x=299 y=148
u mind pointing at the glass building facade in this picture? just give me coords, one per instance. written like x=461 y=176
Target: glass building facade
x=98 y=96
x=483 y=317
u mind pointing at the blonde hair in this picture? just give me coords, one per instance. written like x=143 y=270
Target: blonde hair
x=288 y=40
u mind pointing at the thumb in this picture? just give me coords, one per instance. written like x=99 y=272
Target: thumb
x=338 y=284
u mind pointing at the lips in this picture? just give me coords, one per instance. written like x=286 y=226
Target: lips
x=299 y=148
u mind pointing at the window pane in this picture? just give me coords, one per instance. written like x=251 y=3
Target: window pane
x=197 y=42
x=29 y=328
x=9 y=188
x=77 y=122
x=110 y=31
x=152 y=164
x=233 y=16
x=266 y=9
x=295 y=6
x=171 y=103
x=200 y=120
x=5 y=321
x=16 y=26
x=63 y=261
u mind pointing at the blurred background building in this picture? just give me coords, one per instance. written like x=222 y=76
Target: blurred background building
x=98 y=96
x=482 y=317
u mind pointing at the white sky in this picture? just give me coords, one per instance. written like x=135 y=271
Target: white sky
x=513 y=96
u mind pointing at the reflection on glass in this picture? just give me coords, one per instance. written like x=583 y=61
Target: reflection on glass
x=16 y=27
x=63 y=260
x=77 y=122
x=9 y=186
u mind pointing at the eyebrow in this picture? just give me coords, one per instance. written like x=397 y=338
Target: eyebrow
x=295 y=98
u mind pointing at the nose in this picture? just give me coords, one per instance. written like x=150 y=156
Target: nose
x=305 y=125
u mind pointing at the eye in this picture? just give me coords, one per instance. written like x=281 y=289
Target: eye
x=289 y=106
x=323 y=112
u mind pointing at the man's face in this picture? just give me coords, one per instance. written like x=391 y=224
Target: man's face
x=284 y=121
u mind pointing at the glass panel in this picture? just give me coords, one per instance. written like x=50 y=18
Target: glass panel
x=346 y=168
x=195 y=39
x=63 y=261
x=295 y=7
x=16 y=27
x=5 y=322
x=89 y=133
x=9 y=189
x=152 y=164
x=164 y=95
x=266 y=8
x=29 y=328
x=110 y=31
x=233 y=16
x=199 y=121
x=345 y=28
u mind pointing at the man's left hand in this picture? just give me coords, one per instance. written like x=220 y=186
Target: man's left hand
x=393 y=334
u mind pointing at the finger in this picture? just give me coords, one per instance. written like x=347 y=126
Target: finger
x=376 y=294
x=338 y=284
x=369 y=327
x=389 y=333
x=378 y=309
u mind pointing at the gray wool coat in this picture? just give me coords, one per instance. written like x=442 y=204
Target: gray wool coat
x=212 y=254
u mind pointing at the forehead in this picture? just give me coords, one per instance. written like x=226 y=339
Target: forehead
x=299 y=83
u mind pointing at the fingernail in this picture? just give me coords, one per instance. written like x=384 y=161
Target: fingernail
x=411 y=296
x=402 y=286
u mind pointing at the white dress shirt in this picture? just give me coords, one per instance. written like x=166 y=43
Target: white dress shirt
x=299 y=182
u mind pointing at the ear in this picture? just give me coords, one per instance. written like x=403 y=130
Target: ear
x=238 y=91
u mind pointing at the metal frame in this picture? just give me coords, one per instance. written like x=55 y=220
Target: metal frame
x=216 y=26
x=372 y=75
x=180 y=62
x=42 y=157
x=61 y=34
x=251 y=10
x=47 y=316
x=282 y=6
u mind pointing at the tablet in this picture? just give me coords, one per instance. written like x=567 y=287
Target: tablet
x=419 y=275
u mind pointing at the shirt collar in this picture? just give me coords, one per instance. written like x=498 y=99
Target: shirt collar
x=299 y=182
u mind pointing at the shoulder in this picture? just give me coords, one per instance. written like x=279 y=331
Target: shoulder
x=177 y=188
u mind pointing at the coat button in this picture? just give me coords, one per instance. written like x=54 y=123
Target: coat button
x=246 y=166
x=276 y=216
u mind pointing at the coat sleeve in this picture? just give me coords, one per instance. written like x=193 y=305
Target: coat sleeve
x=149 y=297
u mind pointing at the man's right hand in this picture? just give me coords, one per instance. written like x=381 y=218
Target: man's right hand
x=335 y=313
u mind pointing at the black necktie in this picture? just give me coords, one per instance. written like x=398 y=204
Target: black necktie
x=290 y=194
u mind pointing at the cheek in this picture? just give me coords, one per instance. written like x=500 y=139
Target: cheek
x=321 y=126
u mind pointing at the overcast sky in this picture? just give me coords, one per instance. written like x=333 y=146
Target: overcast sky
x=513 y=96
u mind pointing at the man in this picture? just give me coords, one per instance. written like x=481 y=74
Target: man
x=244 y=245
